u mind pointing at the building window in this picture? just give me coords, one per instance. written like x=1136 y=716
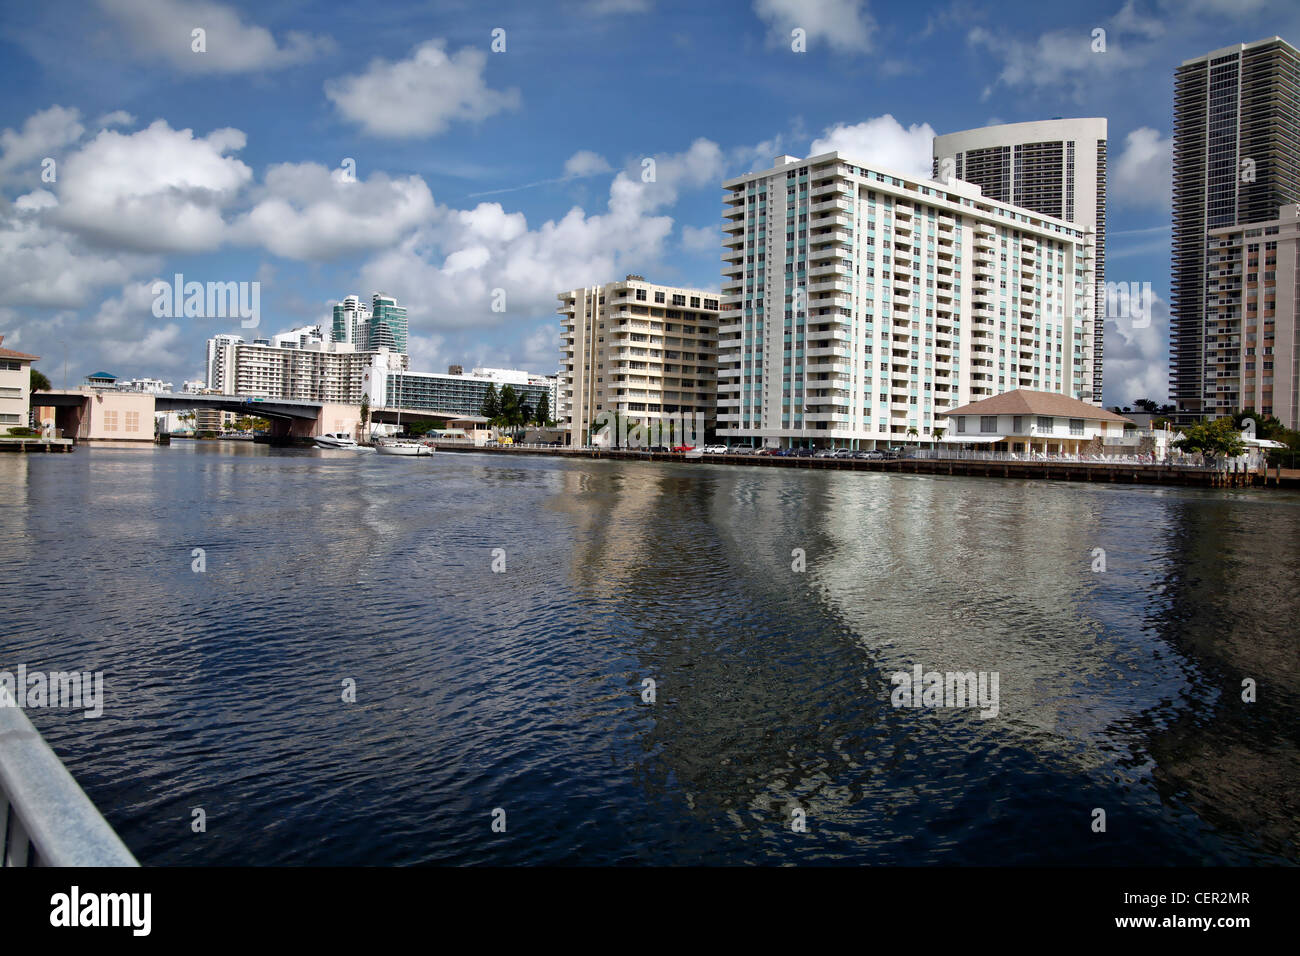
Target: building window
x=1018 y=425
x=961 y=424
x=1076 y=426
x=1044 y=423
x=988 y=423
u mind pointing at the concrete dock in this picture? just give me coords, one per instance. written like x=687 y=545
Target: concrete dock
x=1110 y=472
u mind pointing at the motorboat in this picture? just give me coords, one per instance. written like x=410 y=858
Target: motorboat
x=335 y=440
x=390 y=446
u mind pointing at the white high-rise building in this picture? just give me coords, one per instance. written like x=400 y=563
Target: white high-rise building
x=317 y=371
x=1056 y=167
x=220 y=371
x=859 y=304
x=350 y=320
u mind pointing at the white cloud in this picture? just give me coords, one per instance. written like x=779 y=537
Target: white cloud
x=163 y=29
x=35 y=201
x=1141 y=174
x=845 y=25
x=45 y=267
x=42 y=134
x=1137 y=360
x=702 y=239
x=419 y=96
x=157 y=189
x=115 y=118
x=882 y=141
x=1064 y=63
x=306 y=211
x=585 y=163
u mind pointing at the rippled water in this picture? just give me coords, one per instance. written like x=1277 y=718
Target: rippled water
x=521 y=690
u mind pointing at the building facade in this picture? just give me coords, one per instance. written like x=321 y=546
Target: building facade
x=386 y=328
x=638 y=350
x=453 y=394
x=318 y=371
x=15 y=387
x=1236 y=162
x=860 y=305
x=1024 y=421
x=350 y=318
x=1055 y=167
x=1251 y=357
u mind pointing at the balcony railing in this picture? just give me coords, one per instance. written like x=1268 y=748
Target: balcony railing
x=46 y=819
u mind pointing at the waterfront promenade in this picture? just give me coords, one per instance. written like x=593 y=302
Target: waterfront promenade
x=1043 y=470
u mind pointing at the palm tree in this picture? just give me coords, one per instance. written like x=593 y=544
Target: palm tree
x=39 y=383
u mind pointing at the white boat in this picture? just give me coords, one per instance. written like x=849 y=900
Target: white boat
x=335 y=440
x=402 y=447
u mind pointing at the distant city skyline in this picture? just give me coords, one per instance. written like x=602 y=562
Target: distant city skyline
x=455 y=178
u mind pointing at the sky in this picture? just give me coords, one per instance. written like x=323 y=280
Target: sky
x=440 y=152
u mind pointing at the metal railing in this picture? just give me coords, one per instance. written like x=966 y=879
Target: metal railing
x=46 y=819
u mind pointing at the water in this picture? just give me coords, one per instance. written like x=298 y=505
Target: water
x=522 y=690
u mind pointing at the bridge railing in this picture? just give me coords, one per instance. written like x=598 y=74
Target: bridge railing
x=46 y=819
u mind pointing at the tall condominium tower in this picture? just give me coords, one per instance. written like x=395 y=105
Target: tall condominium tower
x=1236 y=162
x=860 y=304
x=639 y=350
x=1056 y=167
x=1251 y=328
x=387 y=325
x=350 y=320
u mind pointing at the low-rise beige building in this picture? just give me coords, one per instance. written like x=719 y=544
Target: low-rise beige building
x=15 y=387
x=1032 y=422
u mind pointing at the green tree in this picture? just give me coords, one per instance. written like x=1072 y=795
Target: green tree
x=543 y=413
x=508 y=412
x=1146 y=405
x=1220 y=437
x=39 y=383
x=1266 y=426
x=365 y=416
x=491 y=408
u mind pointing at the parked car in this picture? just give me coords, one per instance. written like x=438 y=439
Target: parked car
x=741 y=450
x=768 y=450
x=805 y=452
x=842 y=453
x=682 y=449
x=825 y=453
x=715 y=449
x=658 y=448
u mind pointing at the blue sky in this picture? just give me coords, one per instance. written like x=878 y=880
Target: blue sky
x=518 y=170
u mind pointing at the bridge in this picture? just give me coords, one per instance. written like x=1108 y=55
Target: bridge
x=93 y=414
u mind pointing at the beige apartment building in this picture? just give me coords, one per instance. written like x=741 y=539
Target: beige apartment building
x=639 y=350
x=1251 y=359
x=15 y=387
